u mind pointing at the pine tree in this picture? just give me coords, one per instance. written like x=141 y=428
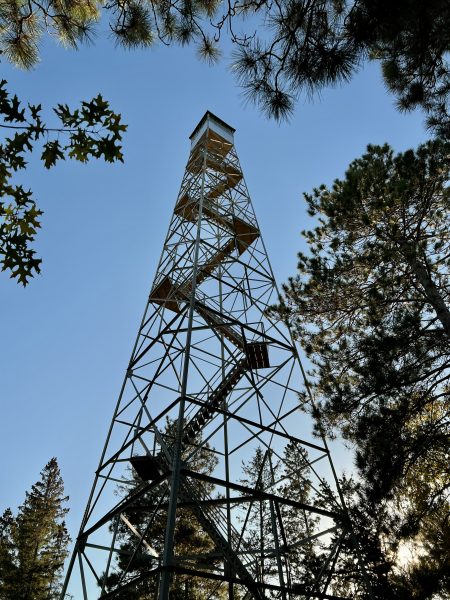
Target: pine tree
x=8 y=567
x=189 y=537
x=297 y=486
x=320 y=43
x=260 y=473
x=287 y=477
x=371 y=307
x=300 y=46
x=33 y=545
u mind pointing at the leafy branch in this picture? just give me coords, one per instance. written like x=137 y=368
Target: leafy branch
x=91 y=131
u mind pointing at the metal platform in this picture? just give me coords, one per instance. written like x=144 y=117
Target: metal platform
x=207 y=431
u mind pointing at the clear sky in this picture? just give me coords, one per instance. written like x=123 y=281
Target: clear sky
x=65 y=340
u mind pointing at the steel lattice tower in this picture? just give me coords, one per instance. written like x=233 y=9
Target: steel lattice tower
x=212 y=385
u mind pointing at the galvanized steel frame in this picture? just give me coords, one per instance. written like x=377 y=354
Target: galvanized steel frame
x=210 y=358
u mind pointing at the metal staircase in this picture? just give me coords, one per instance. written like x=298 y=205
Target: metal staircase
x=166 y=294
x=215 y=400
x=209 y=363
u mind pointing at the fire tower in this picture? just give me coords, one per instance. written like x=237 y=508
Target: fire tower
x=210 y=483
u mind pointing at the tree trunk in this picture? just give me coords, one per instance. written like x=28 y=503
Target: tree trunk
x=429 y=288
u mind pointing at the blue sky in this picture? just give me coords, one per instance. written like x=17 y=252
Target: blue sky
x=66 y=339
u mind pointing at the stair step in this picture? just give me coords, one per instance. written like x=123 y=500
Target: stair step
x=206 y=412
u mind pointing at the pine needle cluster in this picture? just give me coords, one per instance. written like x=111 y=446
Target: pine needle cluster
x=371 y=306
x=283 y=49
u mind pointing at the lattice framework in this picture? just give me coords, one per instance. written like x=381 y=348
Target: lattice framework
x=211 y=363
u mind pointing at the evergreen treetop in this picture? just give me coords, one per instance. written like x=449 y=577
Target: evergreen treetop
x=33 y=544
x=371 y=307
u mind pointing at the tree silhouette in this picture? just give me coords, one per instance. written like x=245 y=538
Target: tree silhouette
x=148 y=518
x=33 y=545
x=371 y=307
x=92 y=131
x=284 y=49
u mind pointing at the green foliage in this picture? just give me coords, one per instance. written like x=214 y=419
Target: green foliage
x=324 y=42
x=133 y=23
x=370 y=528
x=93 y=131
x=33 y=545
x=286 y=48
x=371 y=307
x=288 y=477
x=189 y=537
x=23 y=23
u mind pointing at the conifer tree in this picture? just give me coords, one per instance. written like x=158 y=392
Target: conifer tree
x=287 y=48
x=288 y=478
x=260 y=473
x=189 y=537
x=371 y=307
x=33 y=544
x=295 y=485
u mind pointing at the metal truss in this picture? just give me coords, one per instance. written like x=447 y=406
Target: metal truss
x=208 y=427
